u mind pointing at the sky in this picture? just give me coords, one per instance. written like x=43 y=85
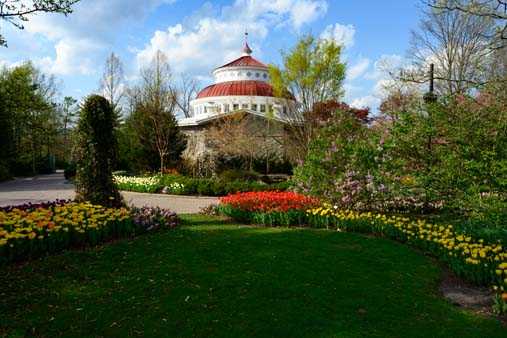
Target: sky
x=198 y=36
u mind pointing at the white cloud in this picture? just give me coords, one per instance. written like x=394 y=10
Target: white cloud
x=206 y=41
x=306 y=11
x=378 y=75
x=294 y=13
x=368 y=101
x=199 y=49
x=342 y=34
x=384 y=65
x=70 y=58
x=80 y=40
x=358 y=68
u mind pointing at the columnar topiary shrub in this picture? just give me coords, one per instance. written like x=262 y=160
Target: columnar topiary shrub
x=95 y=153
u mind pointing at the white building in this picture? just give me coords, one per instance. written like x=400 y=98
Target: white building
x=240 y=85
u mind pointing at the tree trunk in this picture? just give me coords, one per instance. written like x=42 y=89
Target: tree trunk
x=162 y=164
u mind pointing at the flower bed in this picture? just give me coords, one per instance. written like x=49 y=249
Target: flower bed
x=32 y=230
x=139 y=184
x=183 y=185
x=268 y=207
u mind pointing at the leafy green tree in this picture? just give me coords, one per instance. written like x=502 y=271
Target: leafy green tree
x=68 y=112
x=18 y=11
x=312 y=72
x=342 y=162
x=95 y=153
x=6 y=130
x=455 y=152
x=28 y=105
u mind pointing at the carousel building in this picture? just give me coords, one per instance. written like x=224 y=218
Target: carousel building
x=241 y=87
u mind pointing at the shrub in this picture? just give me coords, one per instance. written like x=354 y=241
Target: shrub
x=96 y=153
x=70 y=171
x=418 y=161
x=343 y=164
x=154 y=218
x=4 y=172
x=238 y=174
x=182 y=185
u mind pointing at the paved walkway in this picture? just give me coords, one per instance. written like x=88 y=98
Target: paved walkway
x=50 y=187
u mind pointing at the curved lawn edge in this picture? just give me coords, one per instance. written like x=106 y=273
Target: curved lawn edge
x=207 y=278
x=475 y=261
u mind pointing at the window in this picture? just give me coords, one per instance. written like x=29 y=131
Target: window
x=257 y=74
x=244 y=106
x=248 y=74
x=219 y=108
x=270 y=108
x=263 y=108
x=226 y=108
x=235 y=106
x=205 y=110
x=254 y=107
x=284 y=110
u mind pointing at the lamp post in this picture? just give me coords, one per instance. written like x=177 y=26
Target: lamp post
x=430 y=96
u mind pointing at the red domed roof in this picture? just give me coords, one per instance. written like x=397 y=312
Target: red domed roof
x=245 y=60
x=240 y=88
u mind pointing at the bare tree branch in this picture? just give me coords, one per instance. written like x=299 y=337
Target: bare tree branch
x=112 y=83
x=17 y=11
x=186 y=91
x=457 y=43
x=492 y=9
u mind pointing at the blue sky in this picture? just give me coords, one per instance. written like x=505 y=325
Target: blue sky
x=197 y=36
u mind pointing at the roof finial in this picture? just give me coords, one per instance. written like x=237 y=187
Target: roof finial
x=246 y=47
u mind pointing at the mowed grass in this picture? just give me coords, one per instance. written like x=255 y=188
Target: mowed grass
x=212 y=279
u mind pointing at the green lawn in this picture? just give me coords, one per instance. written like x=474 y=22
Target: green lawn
x=208 y=278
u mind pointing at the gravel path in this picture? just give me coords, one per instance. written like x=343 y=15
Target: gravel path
x=54 y=186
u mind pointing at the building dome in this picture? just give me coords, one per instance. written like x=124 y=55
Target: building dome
x=237 y=88
x=242 y=84
x=245 y=60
